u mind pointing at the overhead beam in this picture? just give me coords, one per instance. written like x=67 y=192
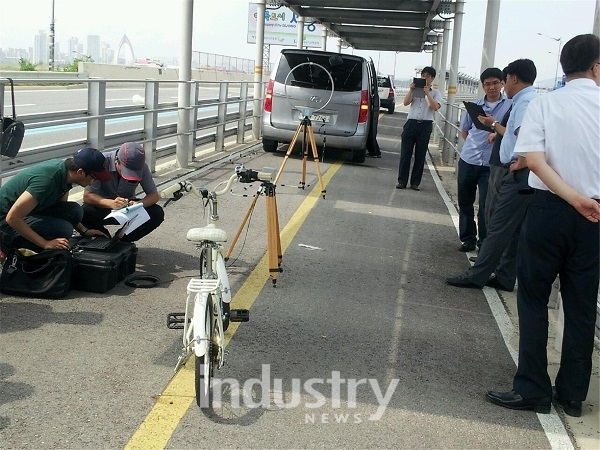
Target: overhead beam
x=381 y=5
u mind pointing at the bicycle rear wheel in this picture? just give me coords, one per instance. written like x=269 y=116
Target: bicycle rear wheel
x=205 y=364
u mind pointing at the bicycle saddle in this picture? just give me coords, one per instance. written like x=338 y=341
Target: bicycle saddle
x=207 y=233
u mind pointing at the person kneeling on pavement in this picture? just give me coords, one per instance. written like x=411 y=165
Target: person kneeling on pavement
x=128 y=170
x=34 y=209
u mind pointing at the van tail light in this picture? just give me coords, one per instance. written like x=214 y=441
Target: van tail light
x=269 y=96
x=364 y=107
x=391 y=93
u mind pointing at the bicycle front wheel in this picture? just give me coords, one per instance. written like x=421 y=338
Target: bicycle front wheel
x=205 y=363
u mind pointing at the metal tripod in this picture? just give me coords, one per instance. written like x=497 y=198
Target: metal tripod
x=308 y=138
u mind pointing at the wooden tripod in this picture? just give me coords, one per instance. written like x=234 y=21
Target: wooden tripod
x=273 y=236
x=308 y=138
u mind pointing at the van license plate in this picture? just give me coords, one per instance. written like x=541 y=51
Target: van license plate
x=318 y=118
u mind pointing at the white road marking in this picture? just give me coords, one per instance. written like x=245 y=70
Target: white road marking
x=553 y=427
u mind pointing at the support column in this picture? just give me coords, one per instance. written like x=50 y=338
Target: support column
x=489 y=38
x=258 y=69
x=300 y=38
x=443 y=40
x=184 y=151
x=324 y=37
x=434 y=60
x=596 y=27
x=451 y=112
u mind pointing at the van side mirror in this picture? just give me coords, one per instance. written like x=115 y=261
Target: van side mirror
x=336 y=60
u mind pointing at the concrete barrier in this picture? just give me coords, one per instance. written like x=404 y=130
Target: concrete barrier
x=122 y=72
x=138 y=72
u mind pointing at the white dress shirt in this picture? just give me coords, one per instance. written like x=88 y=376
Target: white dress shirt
x=565 y=125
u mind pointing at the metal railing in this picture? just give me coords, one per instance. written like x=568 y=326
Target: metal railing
x=149 y=121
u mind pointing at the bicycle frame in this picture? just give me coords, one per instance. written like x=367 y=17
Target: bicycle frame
x=207 y=312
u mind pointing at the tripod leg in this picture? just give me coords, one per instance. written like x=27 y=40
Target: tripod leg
x=305 y=143
x=272 y=234
x=239 y=231
x=316 y=158
x=289 y=151
x=279 y=253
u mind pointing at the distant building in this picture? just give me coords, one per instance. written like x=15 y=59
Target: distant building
x=108 y=54
x=11 y=56
x=75 y=48
x=94 y=49
x=40 y=48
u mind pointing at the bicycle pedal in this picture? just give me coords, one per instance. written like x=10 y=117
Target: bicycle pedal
x=239 y=315
x=175 y=321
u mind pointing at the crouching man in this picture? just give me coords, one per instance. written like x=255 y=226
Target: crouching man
x=128 y=170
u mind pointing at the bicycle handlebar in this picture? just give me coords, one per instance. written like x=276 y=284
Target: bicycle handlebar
x=243 y=175
x=177 y=190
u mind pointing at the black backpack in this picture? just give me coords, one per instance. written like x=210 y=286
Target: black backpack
x=13 y=130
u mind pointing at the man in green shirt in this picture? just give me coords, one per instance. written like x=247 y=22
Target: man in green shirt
x=34 y=209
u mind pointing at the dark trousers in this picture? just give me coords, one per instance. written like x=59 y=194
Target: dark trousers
x=498 y=252
x=471 y=178
x=556 y=239
x=415 y=138
x=93 y=217
x=494 y=183
x=56 y=221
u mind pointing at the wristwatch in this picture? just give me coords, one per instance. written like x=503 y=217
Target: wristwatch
x=493 y=125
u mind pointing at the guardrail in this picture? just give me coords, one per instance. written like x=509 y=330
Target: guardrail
x=154 y=122
x=447 y=133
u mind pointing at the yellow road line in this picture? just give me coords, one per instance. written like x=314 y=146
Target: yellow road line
x=158 y=426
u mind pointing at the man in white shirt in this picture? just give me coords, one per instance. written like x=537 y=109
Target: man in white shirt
x=559 y=137
x=423 y=101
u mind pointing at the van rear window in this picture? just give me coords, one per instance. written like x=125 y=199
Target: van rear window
x=347 y=76
x=383 y=82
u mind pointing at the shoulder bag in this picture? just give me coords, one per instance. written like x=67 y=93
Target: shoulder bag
x=46 y=274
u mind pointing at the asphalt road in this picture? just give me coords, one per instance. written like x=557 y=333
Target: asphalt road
x=360 y=345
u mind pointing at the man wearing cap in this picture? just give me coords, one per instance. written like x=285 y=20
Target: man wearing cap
x=128 y=170
x=34 y=209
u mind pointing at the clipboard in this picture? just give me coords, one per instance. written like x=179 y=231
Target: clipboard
x=134 y=214
x=475 y=110
x=419 y=85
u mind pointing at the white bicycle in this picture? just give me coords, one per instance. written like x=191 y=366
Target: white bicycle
x=207 y=312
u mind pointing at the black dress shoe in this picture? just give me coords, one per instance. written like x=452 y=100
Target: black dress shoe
x=467 y=247
x=493 y=282
x=570 y=407
x=415 y=187
x=400 y=185
x=513 y=400
x=463 y=281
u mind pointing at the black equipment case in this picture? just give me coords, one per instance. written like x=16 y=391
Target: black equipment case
x=100 y=271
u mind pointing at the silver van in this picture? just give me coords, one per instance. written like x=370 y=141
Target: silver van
x=348 y=121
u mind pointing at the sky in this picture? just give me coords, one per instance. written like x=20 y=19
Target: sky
x=220 y=27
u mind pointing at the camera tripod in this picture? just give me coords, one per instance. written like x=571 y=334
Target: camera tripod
x=308 y=137
x=273 y=236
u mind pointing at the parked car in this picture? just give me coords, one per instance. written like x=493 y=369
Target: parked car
x=387 y=94
x=344 y=116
